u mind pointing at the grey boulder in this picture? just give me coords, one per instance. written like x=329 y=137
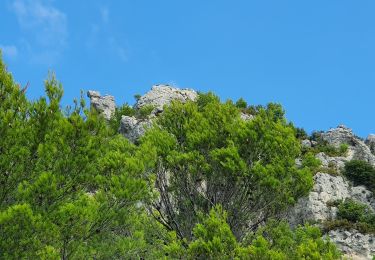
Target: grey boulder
x=103 y=104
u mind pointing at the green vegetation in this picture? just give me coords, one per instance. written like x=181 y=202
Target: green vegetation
x=352 y=215
x=360 y=173
x=207 y=156
x=213 y=239
x=202 y=185
x=145 y=111
x=241 y=103
x=301 y=133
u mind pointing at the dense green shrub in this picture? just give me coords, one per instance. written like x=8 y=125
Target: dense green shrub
x=309 y=160
x=213 y=239
x=69 y=187
x=352 y=211
x=352 y=215
x=360 y=173
x=145 y=111
x=301 y=133
x=210 y=156
x=241 y=103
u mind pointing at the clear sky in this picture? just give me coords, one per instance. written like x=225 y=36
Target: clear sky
x=316 y=58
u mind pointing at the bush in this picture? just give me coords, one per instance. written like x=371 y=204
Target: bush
x=241 y=103
x=343 y=149
x=352 y=215
x=247 y=167
x=301 y=133
x=311 y=162
x=352 y=211
x=213 y=239
x=145 y=111
x=360 y=173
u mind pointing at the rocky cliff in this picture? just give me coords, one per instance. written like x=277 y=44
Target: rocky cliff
x=328 y=187
x=316 y=207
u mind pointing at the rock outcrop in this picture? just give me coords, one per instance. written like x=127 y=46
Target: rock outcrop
x=314 y=207
x=370 y=141
x=357 y=147
x=104 y=104
x=353 y=244
x=246 y=117
x=133 y=128
x=317 y=207
x=161 y=95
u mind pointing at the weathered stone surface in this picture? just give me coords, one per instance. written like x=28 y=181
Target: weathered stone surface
x=327 y=188
x=357 y=148
x=370 y=141
x=306 y=143
x=132 y=128
x=314 y=206
x=337 y=163
x=161 y=95
x=363 y=195
x=246 y=117
x=354 y=244
x=104 y=104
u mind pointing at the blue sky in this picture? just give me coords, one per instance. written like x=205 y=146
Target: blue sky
x=316 y=58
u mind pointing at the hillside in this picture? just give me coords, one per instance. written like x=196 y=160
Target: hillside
x=179 y=175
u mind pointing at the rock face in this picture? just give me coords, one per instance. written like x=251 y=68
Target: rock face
x=328 y=188
x=104 y=104
x=354 y=244
x=161 y=95
x=306 y=143
x=314 y=207
x=357 y=148
x=132 y=128
x=370 y=141
x=246 y=117
x=338 y=162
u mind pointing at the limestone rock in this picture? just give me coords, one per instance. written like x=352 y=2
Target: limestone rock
x=161 y=95
x=104 y=104
x=246 y=117
x=357 y=148
x=306 y=143
x=334 y=162
x=314 y=207
x=133 y=128
x=338 y=136
x=363 y=195
x=354 y=244
x=370 y=141
x=327 y=188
